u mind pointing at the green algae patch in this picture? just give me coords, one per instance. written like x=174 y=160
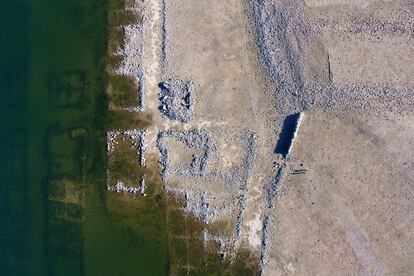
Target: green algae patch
x=128 y=120
x=116 y=39
x=189 y=254
x=122 y=91
x=122 y=4
x=65 y=191
x=124 y=163
x=122 y=17
x=113 y=62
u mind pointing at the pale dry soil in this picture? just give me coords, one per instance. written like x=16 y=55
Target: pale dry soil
x=351 y=213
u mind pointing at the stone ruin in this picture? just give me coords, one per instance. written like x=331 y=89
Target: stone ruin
x=211 y=171
x=177 y=99
x=137 y=140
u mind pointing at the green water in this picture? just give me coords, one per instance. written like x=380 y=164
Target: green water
x=53 y=218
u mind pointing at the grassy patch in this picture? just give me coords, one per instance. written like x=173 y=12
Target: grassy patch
x=222 y=227
x=122 y=91
x=124 y=163
x=116 y=39
x=122 y=17
x=113 y=62
x=179 y=232
x=122 y=4
x=128 y=120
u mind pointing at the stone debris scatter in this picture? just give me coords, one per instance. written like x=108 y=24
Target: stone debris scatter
x=204 y=172
x=228 y=84
x=136 y=139
x=177 y=99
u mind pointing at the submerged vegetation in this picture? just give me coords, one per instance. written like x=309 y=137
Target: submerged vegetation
x=91 y=230
x=59 y=217
x=123 y=163
x=122 y=91
x=127 y=120
x=160 y=218
x=122 y=17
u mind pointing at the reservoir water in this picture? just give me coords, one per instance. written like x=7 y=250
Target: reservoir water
x=52 y=209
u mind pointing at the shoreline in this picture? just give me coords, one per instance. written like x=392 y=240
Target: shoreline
x=141 y=58
x=222 y=84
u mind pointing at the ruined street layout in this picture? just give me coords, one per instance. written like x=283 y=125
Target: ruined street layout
x=260 y=113
x=194 y=75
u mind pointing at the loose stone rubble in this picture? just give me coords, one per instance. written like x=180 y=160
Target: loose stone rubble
x=177 y=99
x=199 y=177
x=218 y=151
